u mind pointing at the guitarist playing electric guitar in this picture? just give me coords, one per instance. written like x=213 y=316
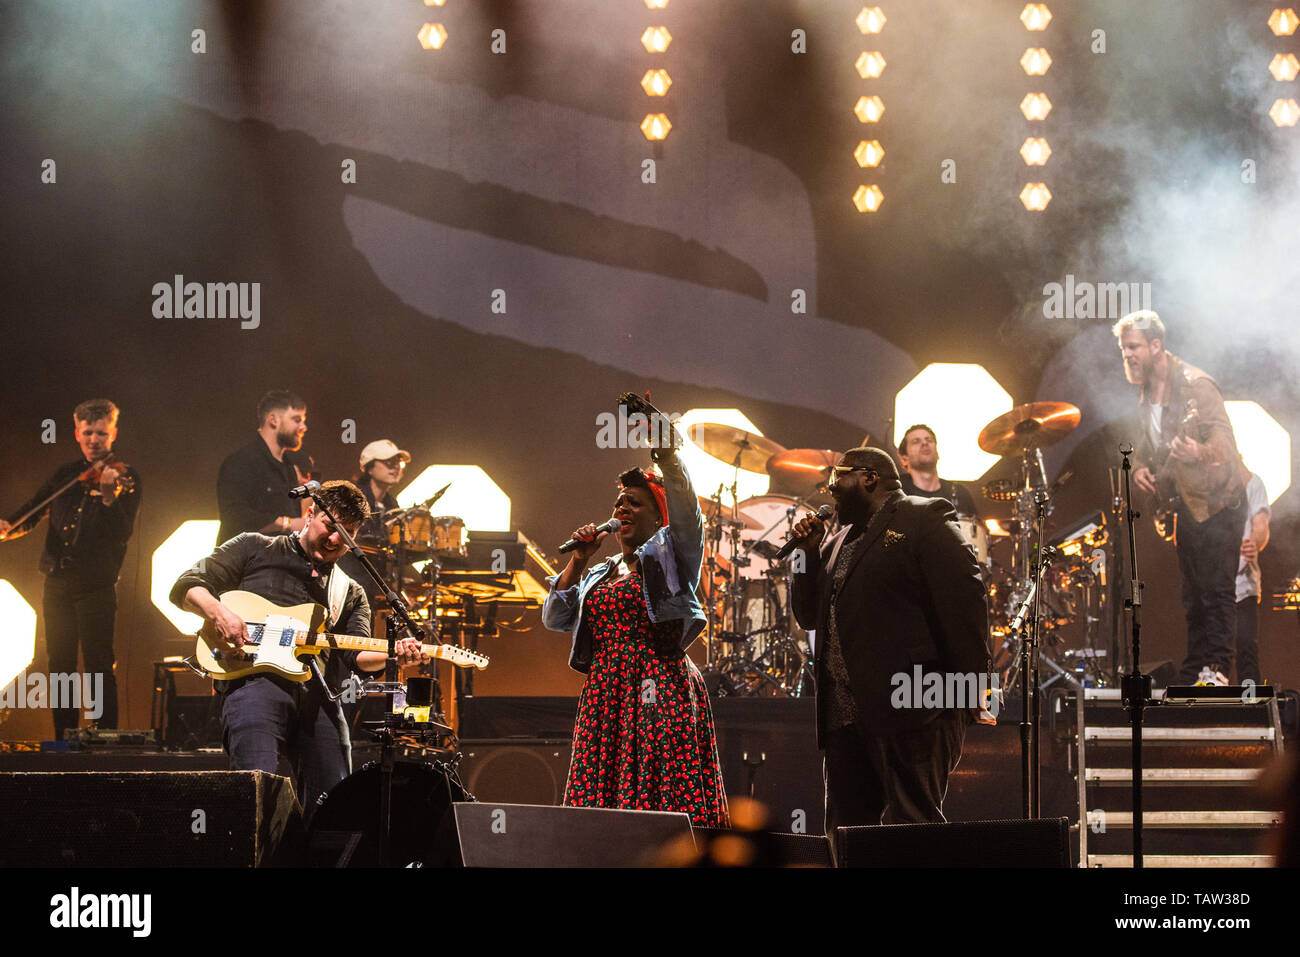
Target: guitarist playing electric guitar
x=1181 y=407
x=271 y=723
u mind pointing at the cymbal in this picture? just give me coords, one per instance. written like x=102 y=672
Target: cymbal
x=724 y=441
x=1029 y=426
x=802 y=470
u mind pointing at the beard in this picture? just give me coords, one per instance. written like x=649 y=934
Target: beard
x=852 y=509
x=1139 y=374
x=290 y=440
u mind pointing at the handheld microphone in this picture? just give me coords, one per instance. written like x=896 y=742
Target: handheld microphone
x=824 y=513
x=613 y=525
x=304 y=491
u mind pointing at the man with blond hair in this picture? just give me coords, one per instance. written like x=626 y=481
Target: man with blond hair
x=1186 y=456
x=90 y=524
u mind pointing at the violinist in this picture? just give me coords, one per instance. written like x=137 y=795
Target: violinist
x=91 y=503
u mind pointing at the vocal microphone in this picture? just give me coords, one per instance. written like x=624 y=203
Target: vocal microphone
x=613 y=525
x=304 y=491
x=824 y=513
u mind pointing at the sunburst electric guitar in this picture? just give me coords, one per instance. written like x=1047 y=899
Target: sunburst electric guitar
x=280 y=639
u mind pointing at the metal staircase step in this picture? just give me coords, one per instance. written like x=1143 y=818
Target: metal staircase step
x=1174 y=777
x=1101 y=735
x=1182 y=860
x=1187 y=819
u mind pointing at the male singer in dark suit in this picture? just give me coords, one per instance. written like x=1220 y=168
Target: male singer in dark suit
x=896 y=587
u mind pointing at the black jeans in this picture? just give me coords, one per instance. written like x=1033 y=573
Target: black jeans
x=283 y=727
x=1248 y=639
x=81 y=616
x=905 y=773
x=1208 y=553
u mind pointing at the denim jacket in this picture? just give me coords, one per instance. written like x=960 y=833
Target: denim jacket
x=670 y=572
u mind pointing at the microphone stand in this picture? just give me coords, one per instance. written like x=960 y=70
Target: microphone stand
x=399 y=620
x=1136 y=686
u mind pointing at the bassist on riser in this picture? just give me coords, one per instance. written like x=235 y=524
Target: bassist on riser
x=1187 y=458
x=270 y=723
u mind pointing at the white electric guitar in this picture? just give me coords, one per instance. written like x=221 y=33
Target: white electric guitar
x=280 y=639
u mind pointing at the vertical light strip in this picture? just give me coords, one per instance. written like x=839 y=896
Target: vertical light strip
x=1035 y=151
x=655 y=39
x=1284 y=67
x=869 y=153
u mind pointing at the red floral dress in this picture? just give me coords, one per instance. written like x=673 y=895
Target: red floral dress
x=644 y=737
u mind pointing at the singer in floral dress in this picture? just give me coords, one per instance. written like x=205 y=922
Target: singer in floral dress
x=644 y=736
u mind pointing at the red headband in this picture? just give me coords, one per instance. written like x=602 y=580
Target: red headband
x=659 y=493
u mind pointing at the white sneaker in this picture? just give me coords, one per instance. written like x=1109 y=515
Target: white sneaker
x=1209 y=676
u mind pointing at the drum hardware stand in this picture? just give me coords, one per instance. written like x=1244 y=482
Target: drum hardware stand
x=400 y=619
x=1136 y=686
x=1030 y=656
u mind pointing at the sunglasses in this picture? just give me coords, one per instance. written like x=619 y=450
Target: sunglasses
x=838 y=470
x=396 y=462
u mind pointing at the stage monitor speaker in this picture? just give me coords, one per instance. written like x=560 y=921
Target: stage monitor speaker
x=1044 y=842
x=530 y=835
x=517 y=770
x=145 y=818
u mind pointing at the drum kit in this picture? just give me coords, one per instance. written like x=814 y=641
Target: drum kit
x=1074 y=592
x=754 y=647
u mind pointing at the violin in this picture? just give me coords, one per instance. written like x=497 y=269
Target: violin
x=92 y=477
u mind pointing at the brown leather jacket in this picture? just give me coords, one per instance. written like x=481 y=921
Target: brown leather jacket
x=1219 y=478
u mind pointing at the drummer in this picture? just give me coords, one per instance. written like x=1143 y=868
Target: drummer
x=919 y=453
x=382 y=465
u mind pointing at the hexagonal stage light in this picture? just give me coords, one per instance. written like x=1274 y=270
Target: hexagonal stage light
x=869 y=109
x=871 y=20
x=432 y=36
x=190 y=542
x=868 y=198
x=1035 y=151
x=1283 y=22
x=1035 y=61
x=1035 y=16
x=1035 y=197
x=1284 y=68
x=656 y=39
x=1035 y=106
x=18 y=621
x=706 y=472
x=1284 y=112
x=656 y=82
x=473 y=496
x=870 y=65
x=869 y=154
x=956 y=399
x=1264 y=444
x=656 y=126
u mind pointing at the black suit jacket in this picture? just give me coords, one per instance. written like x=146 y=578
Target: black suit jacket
x=913 y=595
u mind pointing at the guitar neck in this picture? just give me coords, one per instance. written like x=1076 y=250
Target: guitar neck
x=347 y=642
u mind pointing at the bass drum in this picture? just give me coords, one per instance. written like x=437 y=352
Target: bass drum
x=767 y=524
x=423 y=831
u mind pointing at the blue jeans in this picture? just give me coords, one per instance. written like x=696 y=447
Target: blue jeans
x=283 y=727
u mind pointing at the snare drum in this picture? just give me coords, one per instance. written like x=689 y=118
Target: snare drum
x=977 y=537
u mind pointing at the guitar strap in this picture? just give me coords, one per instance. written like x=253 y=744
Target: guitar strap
x=336 y=591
